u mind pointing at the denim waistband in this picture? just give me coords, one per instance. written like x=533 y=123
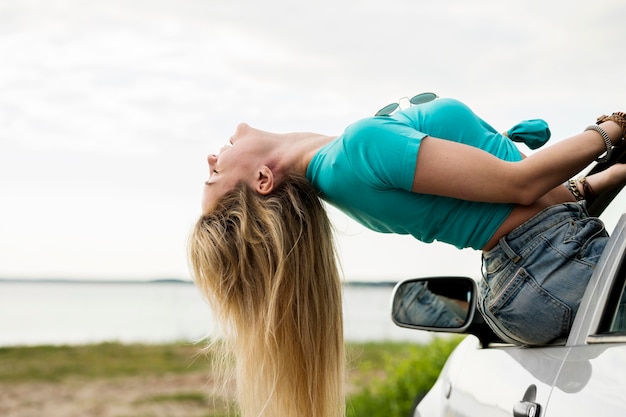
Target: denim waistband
x=521 y=236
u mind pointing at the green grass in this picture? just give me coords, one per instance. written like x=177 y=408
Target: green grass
x=106 y=360
x=376 y=352
x=367 y=362
x=403 y=376
x=179 y=397
x=185 y=397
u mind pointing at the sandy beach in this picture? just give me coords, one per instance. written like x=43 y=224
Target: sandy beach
x=187 y=395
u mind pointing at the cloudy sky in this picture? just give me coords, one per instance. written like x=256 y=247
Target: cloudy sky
x=109 y=108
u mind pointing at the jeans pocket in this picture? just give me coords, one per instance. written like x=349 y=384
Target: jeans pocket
x=527 y=313
x=581 y=240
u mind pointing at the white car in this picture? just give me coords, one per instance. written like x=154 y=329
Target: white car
x=584 y=375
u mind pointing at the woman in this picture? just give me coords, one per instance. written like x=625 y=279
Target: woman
x=435 y=171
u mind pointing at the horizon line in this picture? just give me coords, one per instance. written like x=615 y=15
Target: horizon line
x=153 y=281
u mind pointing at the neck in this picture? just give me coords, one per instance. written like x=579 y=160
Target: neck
x=295 y=153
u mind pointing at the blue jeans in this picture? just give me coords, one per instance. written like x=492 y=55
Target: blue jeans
x=535 y=277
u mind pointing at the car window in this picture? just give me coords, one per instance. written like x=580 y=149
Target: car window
x=613 y=321
x=614 y=211
x=614 y=317
x=618 y=324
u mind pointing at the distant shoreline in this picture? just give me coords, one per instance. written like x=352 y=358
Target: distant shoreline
x=92 y=281
x=356 y=283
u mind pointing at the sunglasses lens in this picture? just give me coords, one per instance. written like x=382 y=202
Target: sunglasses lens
x=387 y=110
x=423 y=98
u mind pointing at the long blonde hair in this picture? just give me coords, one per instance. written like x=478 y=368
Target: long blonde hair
x=268 y=267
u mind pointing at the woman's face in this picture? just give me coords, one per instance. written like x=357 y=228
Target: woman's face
x=239 y=160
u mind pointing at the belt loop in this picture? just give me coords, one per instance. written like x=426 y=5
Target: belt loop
x=508 y=251
x=583 y=208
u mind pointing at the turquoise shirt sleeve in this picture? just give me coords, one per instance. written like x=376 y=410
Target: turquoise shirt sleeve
x=383 y=151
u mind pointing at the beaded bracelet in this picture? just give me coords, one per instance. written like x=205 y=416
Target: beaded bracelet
x=607 y=142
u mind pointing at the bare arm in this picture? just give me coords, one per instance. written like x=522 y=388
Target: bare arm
x=460 y=171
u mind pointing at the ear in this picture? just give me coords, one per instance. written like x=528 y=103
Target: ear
x=264 y=183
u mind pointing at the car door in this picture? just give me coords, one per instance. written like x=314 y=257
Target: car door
x=493 y=381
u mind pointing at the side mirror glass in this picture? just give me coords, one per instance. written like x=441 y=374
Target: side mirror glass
x=436 y=303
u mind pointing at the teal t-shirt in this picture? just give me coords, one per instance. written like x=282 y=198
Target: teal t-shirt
x=368 y=171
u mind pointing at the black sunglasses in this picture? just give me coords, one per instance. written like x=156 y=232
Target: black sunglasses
x=415 y=100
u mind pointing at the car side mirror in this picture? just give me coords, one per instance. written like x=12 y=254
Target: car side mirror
x=439 y=303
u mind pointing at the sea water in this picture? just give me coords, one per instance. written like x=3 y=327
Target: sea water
x=58 y=313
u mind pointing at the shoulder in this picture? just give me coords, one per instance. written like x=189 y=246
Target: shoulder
x=380 y=131
x=364 y=128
